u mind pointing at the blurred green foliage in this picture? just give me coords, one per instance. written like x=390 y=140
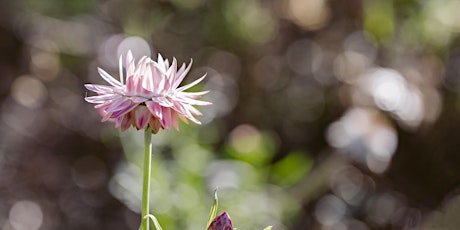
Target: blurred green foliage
x=379 y=19
x=326 y=114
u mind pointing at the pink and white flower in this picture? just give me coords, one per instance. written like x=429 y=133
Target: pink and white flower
x=150 y=95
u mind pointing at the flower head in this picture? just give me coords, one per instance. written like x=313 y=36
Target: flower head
x=221 y=222
x=150 y=95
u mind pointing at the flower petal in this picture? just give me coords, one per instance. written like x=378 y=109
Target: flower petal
x=123 y=111
x=120 y=68
x=99 y=88
x=154 y=124
x=181 y=109
x=171 y=74
x=138 y=100
x=191 y=84
x=192 y=110
x=108 y=78
x=193 y=101
x=157 y=75
x=180 y=116
x=166 y=121
x=129 y=64
x=102 y=98
x=174 y=122
x=118 y=121
x=189 y=115
x=155 y=109
x=181 y=70
x=161 y=63
x=127 y=121
x=193 y=95
x=161 y=84
x=148 y=82
x=105 y=115
x=119 y=105
x=181 y=75
x=142 y=117
x=163 y=101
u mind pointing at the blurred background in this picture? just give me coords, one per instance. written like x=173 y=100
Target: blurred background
x=327 y=114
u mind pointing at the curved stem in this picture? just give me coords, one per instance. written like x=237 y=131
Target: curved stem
x=146 y=178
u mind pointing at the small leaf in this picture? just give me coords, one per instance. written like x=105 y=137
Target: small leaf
x=213 y=212
x=268 y=228
x=154 y=221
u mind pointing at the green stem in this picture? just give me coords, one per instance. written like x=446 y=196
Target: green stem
x=146 y=180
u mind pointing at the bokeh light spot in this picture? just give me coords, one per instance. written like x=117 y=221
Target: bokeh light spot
x=387 y=86
x=228 y=175
x=45 y=65
x=330 y=210
x=348 y=184
x=247 y=16
x=310 y=15
x=245 y=138
x=349 y=65
x=391 y=92
x=109 y=49
x=26 y=215
x=138 y=46
x=366 y=136
x=28 y=91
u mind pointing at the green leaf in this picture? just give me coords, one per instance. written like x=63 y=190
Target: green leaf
x=154 y=221
x=379 y=19
x=213 y=212
x=268 y=228
x=292 y=168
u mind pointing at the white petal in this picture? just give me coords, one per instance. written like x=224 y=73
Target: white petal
x=181 y=75
x=120 y=68
x=193 y=95
x=102 y=98
x=108 y=78
x=191 y=101
x=104 y=89
x=191 y=84
x=129 y=64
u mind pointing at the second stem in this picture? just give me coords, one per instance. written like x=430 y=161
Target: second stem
x=146 y=178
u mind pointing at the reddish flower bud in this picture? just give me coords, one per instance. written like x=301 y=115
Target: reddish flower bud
x=221 y=222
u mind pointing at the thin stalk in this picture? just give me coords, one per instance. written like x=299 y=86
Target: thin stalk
x=146 y=180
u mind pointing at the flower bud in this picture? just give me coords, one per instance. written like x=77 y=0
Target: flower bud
x=221 y=222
